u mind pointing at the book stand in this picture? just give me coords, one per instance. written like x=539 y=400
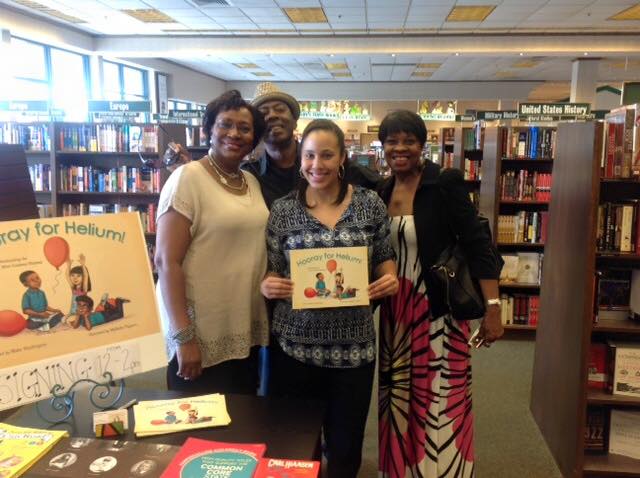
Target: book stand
x=103 y=395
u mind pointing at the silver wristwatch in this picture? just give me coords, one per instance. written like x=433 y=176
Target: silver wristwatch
x=493 y=302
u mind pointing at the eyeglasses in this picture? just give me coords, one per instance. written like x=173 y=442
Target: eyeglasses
x=227 y=125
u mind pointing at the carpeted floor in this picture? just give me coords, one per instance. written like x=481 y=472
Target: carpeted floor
x=507 y=441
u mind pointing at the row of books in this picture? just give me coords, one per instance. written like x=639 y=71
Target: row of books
x=472 y=170
x=525 y=226
x=120 y=138
x=46 y=210
x=519 y=309
x=448 y=160
x=613 y=431
x=472 y=137
x=31 y=137
x=40 y=175
x=614 y=367
x=525 y=185
x=147 y=212
x=528 y=143
x=618 y=227
x=522 y=268
x=122 y=179
x=195 y=136
x=613 y=288
x=621 y=145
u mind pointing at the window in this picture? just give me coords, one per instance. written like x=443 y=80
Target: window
x=41 y=72
x=69 y=84
x=121 y=82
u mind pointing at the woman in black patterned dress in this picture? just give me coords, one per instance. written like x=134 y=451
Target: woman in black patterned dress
x=425 y=418
x=328 y=353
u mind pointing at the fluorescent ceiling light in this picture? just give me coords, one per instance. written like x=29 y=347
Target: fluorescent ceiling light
x=49 y=11
x=306 y=15
x=631 y=13
x=149 y=15
x=247 y=66
x=336 y=66
x=470 y=13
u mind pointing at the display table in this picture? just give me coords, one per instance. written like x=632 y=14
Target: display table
x=289 y=427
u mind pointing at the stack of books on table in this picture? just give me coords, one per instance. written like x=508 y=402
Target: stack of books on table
x=156 y=417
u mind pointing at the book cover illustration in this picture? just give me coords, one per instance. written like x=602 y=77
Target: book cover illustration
x=91 y=458
x=626 y=368
x=624 y=433
x=332 y=277
x=282 y=468
x=77 y=301
x=209 y=459
x=20 y=447
x=155 y=417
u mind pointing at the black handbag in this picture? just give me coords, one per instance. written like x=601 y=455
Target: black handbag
x=451 y=275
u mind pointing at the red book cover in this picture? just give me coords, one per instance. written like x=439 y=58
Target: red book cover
x=204 y=458
x=279 y=468
x=597 y=366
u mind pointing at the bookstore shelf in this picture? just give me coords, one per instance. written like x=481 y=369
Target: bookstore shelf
x=519 y=327
x=128 y=154
x=610 y=465
x=618 y=256
x=89 y=194
x=600 y=397
x=566 y=337
x=522 y=245
x=524 y=202
x=617 y=326
x=527 y=160
x=516 y=285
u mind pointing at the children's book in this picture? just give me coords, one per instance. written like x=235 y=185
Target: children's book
x=155 y=417
x=20 y=447
x=331 y=277
x=281 y=468
x=207 y=459
x=80 y=457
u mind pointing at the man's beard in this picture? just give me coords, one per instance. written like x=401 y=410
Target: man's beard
x=278 y=140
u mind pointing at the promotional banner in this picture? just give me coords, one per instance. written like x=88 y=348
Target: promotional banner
x=77 y=300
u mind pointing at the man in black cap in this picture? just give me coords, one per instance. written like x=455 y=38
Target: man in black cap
x=277 y=168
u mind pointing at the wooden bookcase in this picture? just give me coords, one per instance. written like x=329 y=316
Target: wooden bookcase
x=494 y=165
x=560 y=395
x=56 y=158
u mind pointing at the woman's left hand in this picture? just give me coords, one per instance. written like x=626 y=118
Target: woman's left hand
x=386 y=285
x=491 y=327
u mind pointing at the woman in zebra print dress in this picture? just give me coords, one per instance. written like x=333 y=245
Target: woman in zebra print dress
x=425 y=417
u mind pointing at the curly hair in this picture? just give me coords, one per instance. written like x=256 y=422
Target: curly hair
x=232 y=100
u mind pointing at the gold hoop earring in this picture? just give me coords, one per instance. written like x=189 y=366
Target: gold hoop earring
x=341 y=171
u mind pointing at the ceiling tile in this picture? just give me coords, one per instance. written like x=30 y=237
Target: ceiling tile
x=390 y=13
x=262 y=12
x=298 y=3
x=345 y=12
x=218 y=12
x=164 y=3
x=276 y=26
x=342 y=3
x=254 y=3
x=183 y=13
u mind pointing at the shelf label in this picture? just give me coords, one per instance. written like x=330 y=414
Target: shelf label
x=122 y=108
x=25 y=106
x=497 y=115
x=552 y=110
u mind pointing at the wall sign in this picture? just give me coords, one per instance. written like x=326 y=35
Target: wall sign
x=335 y=110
